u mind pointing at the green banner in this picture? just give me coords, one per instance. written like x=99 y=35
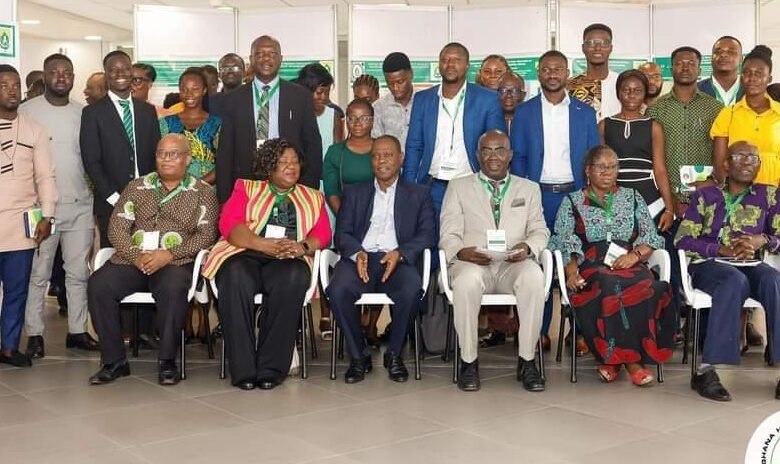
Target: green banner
x=168 y=72
x=666 y=67
x=289 y=69
x=526 y=67
x=8 y=40
x=580 y=65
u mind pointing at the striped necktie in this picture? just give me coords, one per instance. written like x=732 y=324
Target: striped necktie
x=262 y=115
x=127 y=121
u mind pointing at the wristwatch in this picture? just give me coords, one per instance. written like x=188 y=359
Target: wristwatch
x=50 y=220
x=306 y=247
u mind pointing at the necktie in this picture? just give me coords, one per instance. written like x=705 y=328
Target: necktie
x=127 y=121
x=495 y=200
x=262 y=115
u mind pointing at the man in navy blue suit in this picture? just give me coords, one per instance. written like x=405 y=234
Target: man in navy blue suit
x=446 y=123
x=383 y=228
x=550 y=135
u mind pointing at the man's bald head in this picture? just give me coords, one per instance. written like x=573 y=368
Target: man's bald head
x=655 y=79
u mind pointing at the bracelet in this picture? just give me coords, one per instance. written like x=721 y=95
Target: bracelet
x=637 y=253
x=305 y=245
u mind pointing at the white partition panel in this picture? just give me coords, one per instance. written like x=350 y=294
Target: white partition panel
x=303 y=32
x=172 y=33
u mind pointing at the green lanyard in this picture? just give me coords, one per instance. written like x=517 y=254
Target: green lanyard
x=279 y=197
x=607 y=210
x=161 y=200
x=261 y=101
x=455 y=117
x=731 y=205
x=495 y=200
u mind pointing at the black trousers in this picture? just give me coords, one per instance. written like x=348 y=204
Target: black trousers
x=283 y=284
x=403 y=287
x=113 y=282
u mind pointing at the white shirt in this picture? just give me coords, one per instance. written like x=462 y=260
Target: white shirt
x=450 y=158
x=727 y=97
x=381 y=231
x=273 y=106
x=121 y=111
x=610 y=104
x=556 y=165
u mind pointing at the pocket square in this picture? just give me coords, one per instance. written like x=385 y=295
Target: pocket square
x=518 y=202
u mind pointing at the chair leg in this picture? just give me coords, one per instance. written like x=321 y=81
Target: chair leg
x=136 y=329
x=340 y=339
x=304 y=360
x=333 y=350
x=183 y=355
x=205 y=309
x=417 y=359
x=561 y=326
x=540 y=359
x=768 y=351
x=312 y=335
x=573 y=324
x=660 y=373
x=455 y=359
x=222 y=359
x=687 y=336
x=695 y=340
x=450 y=330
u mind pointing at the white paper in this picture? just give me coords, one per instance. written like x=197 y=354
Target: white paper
x=151 y=241
x=614 y=252
x=693 y=173
x=272 y=231
x=497 y=255
x=496 y=240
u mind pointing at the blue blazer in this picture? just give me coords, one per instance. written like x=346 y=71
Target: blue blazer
x=707 y=87
x=527 y=138
x=481 y=113
x=413 y=215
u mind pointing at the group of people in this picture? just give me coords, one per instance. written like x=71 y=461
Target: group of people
x=264 y=173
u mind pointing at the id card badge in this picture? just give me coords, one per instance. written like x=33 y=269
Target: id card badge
x=614 y=252
x=151 y=241
x=272 y=231
x=496 y=240
x=447 y=170
x=259 y=143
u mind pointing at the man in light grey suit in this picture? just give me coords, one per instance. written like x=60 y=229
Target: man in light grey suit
x=494 y=210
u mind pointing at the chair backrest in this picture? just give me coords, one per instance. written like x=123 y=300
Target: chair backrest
x=684 y=276
x=661 y=260
x=103 y=255
x=330 y=258
x=559 y=269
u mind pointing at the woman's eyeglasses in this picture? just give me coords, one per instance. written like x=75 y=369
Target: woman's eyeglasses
x=363 y=119
x=170 y=155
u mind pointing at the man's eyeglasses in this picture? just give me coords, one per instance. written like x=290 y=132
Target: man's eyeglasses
x=510 y=91
x=593 y=43
x=744 y=157
x=604 y=168
x=355 y=119
x=170 y=155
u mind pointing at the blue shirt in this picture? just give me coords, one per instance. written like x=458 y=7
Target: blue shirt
x=273 y=106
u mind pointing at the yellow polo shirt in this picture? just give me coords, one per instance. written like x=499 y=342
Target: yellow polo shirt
x=740 y=123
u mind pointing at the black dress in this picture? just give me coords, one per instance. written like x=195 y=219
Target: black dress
x=633 y=143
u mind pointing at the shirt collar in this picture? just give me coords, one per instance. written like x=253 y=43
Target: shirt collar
x=724 y=187
x=390 y=189
x=718 y=87
x=116 y=98
x=457 y=95
x=259 y=85
x=696 y=95
x=565 y=102
x=773 y=105
x=487 y=179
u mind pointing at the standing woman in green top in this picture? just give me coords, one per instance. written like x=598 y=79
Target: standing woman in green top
x=199 y=127
x=349 y=162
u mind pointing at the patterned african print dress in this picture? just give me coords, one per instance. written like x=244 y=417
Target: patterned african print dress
x=625 y=316
x=203 y=141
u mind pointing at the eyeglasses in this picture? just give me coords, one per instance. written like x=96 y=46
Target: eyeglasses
x=593 y=43
x=362 y=119
x=229 y=69
x=743 y=157
x=510 y=91
x=170 y=155
x=140 y=80
x=604 y=168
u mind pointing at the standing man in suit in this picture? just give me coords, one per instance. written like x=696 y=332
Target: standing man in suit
x=446 y=123
x=265 y=108
x=118 y=139
x=725 y=85
x=383 y=227
x=495 y=209
x=550 y=135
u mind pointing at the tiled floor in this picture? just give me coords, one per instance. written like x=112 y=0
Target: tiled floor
x=50 y=414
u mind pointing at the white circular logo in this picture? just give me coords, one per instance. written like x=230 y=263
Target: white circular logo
x=763 y=445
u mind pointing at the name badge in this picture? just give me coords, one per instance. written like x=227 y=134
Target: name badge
x=272 y=231
x=259 y=143
x=151 y=241
x=614 y=252
x=496 y=240
x=447 y=170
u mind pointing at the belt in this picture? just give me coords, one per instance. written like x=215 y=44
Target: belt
x=558 y=188
x=433 y=180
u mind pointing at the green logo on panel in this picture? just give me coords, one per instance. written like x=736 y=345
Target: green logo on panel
x=5 y=41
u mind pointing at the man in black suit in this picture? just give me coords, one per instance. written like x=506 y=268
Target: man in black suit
x=118 y=139
x=383 y=228
x=266 y=108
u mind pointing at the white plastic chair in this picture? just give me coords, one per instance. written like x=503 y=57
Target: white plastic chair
x=306 y=322
x=145 y=298
x=489 y=299
x=328 y=262
x=659 y=260
x=697 y=300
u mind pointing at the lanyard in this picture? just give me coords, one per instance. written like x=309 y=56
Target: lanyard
x=454 y=117
x=161 y=200
x=495 y=200
x=731 y=204
x=279 y=197
x=261 y=101
x=607 y=210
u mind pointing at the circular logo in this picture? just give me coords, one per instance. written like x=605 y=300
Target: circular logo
x=763 y=445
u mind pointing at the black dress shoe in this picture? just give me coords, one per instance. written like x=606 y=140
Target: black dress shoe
x=169 y=374
x=16 y=358
x=707 y=384
x=246 y=385
x=529 y=375
x=753 y=337
x=82 y=341
x=268 y=384
x=358 y=368
x=147 y=342
x=63 y=311
x=777 y=390
x=493 y=338
x=468 y=380
x=35 y=347
x=395 y=367
x=110 y=372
